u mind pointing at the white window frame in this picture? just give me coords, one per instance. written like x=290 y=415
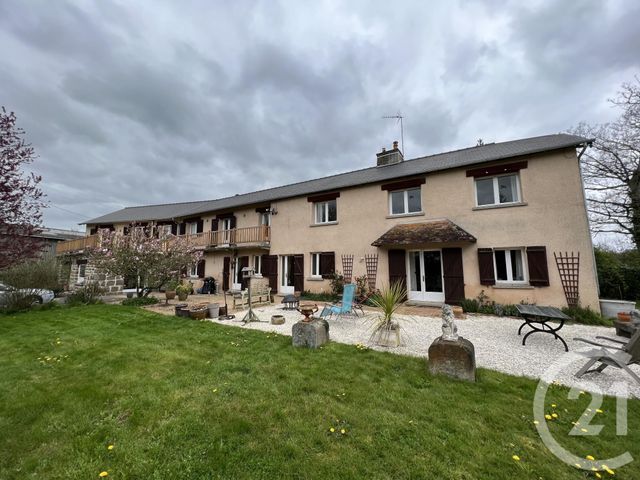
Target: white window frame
x=405 y=192
x=192 y=228
x=163 y=230
x=325 y=212
x=510 y=280
x=496 y=190
x=257 y=264
x=315 y=265
x=264 y=219
x=82 y=278
x=193 y=271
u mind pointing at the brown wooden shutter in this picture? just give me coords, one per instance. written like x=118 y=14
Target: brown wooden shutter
x=242 y=263
x=298 y=273
x=200 y=268
x=93 y=230
x=327 y=264
x=214 y=225
x=200 y=226
x=233 y=221
x=125 y=230
x=397 y=266
x=485 y=264
x=226 y=266
x=174 y=229
x=183 y=228
x=538 y=270
x=270 y=270
x=453 y=275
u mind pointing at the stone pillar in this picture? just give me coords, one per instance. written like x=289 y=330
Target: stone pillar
x=454 y=358
x=310 y=334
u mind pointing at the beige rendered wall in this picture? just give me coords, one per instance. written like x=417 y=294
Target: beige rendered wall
x=553 y=216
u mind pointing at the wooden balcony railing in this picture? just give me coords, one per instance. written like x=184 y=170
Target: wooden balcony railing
x=77 y=244
x=237 y=236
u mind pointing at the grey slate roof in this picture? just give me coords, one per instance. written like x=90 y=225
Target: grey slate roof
x=417 y=166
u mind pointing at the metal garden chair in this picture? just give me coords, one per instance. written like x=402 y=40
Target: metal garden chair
x=345 y=307
x=621 y=357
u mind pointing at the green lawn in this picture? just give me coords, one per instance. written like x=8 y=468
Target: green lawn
x=184 y=399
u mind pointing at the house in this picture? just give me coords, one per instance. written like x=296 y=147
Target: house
x=486 y=218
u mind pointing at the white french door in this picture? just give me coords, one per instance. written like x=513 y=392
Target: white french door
x=424 y=272
x=286 y=274
x=237 y=275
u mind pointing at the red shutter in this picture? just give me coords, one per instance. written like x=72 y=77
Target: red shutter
x=298 y=273
x=226 y=264
x=485 y=264
x=327 y=264
x=200 y=268
x=538 y=269
x=453 y=275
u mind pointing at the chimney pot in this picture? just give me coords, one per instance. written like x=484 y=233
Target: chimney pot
x=395 y=144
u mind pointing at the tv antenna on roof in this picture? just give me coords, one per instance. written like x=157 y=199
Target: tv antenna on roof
x=398 y=117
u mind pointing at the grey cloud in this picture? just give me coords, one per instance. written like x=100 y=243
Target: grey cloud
x=136 y=103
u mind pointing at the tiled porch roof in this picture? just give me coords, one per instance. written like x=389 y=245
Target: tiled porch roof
x=433 y=231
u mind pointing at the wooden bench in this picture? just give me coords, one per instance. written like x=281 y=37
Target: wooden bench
x=260 y=294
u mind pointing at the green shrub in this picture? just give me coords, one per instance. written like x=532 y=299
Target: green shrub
x=618 y=274
x=87 y=295
x=470 y=305
x=319 y=297
x=482 y=304
x=36 y=274
x=337 y=284
x=19 y=300
x=139 y=301
x=587 y=316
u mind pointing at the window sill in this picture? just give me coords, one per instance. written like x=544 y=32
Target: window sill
x=502 y=205
x=513 y=286
x=402 y=215
x=323 y=224
x=315 y=279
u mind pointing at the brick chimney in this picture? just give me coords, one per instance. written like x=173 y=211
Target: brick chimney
x=389 y=157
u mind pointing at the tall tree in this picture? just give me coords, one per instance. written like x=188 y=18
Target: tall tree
x=20 y=197
x=611 y=168
x=152 y=261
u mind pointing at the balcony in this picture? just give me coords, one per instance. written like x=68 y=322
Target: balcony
x=259 y=236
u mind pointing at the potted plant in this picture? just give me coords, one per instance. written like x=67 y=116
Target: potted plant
x=170 y=290
x=183 y=291
x=386 y=330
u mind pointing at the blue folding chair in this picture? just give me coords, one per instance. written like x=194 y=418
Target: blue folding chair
x=345 y=307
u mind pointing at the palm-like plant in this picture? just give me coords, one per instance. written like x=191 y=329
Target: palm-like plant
x=388 y=300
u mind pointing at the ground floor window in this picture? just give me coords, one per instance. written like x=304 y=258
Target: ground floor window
x=82 y=271
x=193 y=271
x=257 y=264
x=509 y=265
x=315 y=264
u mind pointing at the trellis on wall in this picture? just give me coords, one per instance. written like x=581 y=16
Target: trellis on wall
x=371 y=261
x=569 y=270
x=347 y=267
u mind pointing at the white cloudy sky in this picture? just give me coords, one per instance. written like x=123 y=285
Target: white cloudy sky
x=140 y=102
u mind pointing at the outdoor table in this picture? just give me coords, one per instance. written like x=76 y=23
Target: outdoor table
x=538 y=319
x=291 y=302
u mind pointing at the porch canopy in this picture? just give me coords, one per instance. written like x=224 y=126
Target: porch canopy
x=432 y=231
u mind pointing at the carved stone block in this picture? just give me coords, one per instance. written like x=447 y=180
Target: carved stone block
x=453 y=358
x=310 y=334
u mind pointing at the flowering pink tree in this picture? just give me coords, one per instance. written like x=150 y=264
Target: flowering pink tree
x=20 y=197
x=151 y=261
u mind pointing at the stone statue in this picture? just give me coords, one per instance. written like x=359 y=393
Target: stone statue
x=449 y=327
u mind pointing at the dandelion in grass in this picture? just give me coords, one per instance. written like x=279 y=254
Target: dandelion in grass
x=332 y=429
x=590 y=457
x=103 y=474
x=584 y=430
x=110 y=447
x=554 y=415
x=536 y=422
x=599 y=411
x=343 y=431
x=547 y=416
x=553 y=405
x=516 y=458
x=598 y=475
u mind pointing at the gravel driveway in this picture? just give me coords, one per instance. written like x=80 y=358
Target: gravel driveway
x=497 y=345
